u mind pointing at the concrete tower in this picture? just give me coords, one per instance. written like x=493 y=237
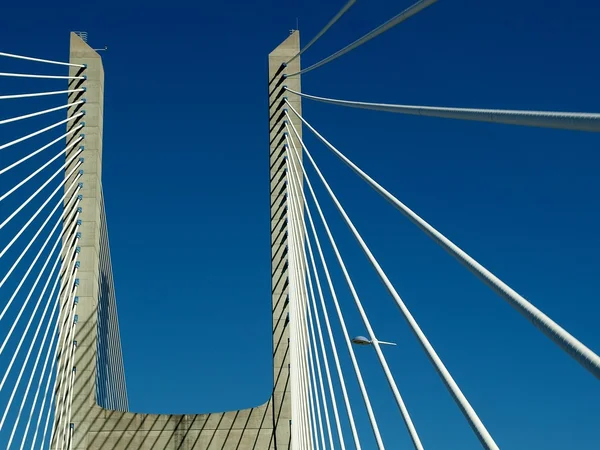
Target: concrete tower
x=100 y=414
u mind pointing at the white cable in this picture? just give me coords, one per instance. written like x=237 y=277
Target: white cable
x=54 y=362
x=313 y=399
x=41 y=149
x=485 y=438
x=309 y=408
x=46 y=183
x=24 y=305
x=31 y=346
x=295 y=224
x=315 y=354
x=115 y=319
x=44 y=397
x=51 y=77
x=70 y=401
x=66 y=294
x=545 y=119
x=40 y=94
x=34 y=260
x=315 y=402
x=294 y=262
x=31 y=242
x=576 y=349
x=295 y=242
x=35 y=364
x=61 y=389
x=39 y=169
x=48 y=377
x=295 y=320
x=375 y=342
x=39 y=113
x=41 y=207
x=51 y=296
x=316 y=417
x=293 y=353
x=48 y=61
x=344 y=330
x=67 y=361
x=59 y=356
x=69 y=428
x=16 y=352
x=69 y=389
x=300 y=299
x=104 y=262
x=51 y=405
x=308 y=400
x=322 y=345
x=71 y=217
x=67 y=208
x=51 y=351
x=367 y=401
x=61 y=394
x=21 y=139
x=103 y=345
x=335 y=18
x=71 y=365
x=70 y=438
x=406 y=14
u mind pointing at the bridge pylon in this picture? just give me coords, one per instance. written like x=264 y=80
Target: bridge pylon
x=99 y=411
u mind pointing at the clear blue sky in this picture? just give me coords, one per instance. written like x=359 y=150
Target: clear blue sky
x=186 y=183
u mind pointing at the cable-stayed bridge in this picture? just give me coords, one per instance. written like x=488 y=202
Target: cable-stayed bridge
x=63 y=382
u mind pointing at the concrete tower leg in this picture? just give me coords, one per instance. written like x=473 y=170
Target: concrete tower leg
x=280 y=206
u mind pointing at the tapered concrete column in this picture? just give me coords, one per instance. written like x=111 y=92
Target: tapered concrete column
x=280 y=206
x=88 y=274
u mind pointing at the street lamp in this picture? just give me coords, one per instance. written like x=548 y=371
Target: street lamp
x=361 y=340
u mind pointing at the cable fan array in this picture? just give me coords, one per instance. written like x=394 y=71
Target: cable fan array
x=310 y=407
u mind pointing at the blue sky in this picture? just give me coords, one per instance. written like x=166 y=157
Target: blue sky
x=186 y=185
